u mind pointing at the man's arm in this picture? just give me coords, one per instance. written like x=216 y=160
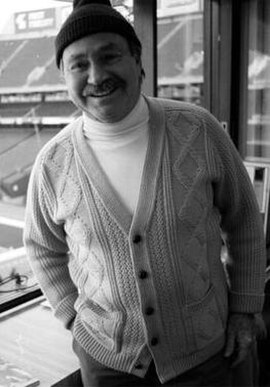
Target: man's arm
x=244 y=237
x=46 y=248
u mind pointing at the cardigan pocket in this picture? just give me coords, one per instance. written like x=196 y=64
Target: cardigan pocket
x=105 y=326
x=203 y=321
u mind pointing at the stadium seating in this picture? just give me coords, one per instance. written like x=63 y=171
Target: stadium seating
x=28 y=68
x=174 y=61
x=9 y=138
x=16 y=109
x=23 y=153
x=33 y=106
x=56 y=109
x=27 y=62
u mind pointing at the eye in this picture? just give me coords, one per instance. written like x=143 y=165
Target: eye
x=112 y=57
x=78 y=66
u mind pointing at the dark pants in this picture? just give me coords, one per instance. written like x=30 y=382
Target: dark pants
x=212 y=373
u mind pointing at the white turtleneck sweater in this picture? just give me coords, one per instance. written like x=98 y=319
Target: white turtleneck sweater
x=120 y=149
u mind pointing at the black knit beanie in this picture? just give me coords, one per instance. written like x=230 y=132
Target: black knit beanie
x=89 y=17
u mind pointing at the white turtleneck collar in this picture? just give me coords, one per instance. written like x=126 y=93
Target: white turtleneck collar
x=136 y=120
x=120 y=149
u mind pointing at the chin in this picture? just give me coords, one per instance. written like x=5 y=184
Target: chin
x=109 y=114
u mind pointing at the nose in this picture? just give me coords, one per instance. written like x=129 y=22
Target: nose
x=96 y=73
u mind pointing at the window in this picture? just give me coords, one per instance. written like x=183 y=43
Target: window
x=34 y=107
x=258 y=84
x=180 y=50
x=30 y=94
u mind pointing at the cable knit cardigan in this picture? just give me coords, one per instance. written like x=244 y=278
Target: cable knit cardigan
x=149 y=285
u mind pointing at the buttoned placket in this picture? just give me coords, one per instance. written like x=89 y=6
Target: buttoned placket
x=144 y=276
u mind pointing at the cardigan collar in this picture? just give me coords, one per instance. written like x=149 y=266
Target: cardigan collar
x=88 y=164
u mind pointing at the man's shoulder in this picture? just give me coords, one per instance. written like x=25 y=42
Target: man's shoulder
x=186 y=122
x=59 y=146
x=172 y=104
x=187 y=110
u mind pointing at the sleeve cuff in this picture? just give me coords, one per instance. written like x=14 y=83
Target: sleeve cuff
x=245 y=303
x=65 y=311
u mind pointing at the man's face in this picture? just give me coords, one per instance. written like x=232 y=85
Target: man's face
x=102 y=76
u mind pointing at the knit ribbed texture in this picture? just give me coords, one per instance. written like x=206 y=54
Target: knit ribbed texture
x=192 y=174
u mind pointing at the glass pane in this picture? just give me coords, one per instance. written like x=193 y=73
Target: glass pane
x=180 y=50
x=258 y=133
x=34 y=106
x=125 y=7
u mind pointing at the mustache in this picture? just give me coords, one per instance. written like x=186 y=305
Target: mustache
x=102 y=87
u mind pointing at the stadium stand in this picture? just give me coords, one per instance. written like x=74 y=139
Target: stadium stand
x=48 y=109
x=16 y=109
x=10 y=137
x=174 y=61
x=23 y=153
x=27 y=63
x=37 y=110
x=34 y=105
x=50 y=76
x=17 y=160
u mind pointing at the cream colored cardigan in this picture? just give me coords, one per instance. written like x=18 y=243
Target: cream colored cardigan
x=152 y=285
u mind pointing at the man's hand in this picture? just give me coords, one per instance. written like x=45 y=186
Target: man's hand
x=242 y=330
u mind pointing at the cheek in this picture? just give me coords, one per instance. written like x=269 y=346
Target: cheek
x=75 y=88
x=137 y=74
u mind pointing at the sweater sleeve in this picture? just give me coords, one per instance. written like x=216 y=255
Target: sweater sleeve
x=241 y=221
x=46 y=247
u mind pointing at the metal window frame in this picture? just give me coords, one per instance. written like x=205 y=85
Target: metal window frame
x=145 y=23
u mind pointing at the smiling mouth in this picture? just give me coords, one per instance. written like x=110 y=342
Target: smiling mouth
x=104 y=90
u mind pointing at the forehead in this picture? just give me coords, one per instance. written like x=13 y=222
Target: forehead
x=95 y=43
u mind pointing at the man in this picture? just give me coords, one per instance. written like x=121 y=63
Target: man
x=125 y=211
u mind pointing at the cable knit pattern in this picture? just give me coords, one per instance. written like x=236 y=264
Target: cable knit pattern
x=148 y=285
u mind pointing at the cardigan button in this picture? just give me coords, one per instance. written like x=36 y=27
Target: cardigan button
x=149 y=311
x=154 y=341
x=138 y=366
x=137 y=239
x=143 y=274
